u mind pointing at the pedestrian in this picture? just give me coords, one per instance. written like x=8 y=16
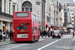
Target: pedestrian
x=73 y=33
x=69 y=31
x=52 y=31
x=0 y=34
x=47 y=31
x=7 y=33
x=11 y=35
x=41 y=33
x=4 y=35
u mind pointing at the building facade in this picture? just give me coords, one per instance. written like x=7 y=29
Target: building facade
x=7 y=7
x=70 y=13
x=38 y=7
x=61 y=18
x=65 y=17
x=51 y=13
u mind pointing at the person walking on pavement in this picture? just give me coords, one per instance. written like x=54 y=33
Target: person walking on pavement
x=4 y=35
x=11 y=35
x=41 y=33
x=49 y=32
x=0 y=34
x=7 y=33
x=73 y=33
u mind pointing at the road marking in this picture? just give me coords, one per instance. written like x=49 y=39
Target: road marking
x=41 y=39
x=47 y=45
x=18 y=46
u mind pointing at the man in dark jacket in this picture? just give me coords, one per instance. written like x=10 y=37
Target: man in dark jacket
x=0 y=34
x=73 y=33
x=11 y=35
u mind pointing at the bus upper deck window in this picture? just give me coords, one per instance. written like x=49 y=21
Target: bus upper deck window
x=22 y=14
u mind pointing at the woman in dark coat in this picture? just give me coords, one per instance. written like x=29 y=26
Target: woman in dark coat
x=0 y=34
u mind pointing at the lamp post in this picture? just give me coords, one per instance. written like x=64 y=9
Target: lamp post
x=54 y=11
x=43 y=14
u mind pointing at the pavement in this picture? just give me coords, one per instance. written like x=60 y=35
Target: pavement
x=7 y=41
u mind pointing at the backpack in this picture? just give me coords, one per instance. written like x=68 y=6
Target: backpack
x=4 y=33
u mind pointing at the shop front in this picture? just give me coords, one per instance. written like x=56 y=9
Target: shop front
x=6 y=21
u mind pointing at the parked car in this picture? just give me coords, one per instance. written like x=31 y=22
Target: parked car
x=56 y=33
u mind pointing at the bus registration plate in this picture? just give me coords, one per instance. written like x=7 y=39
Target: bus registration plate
x=22 y=30
x=22 y=35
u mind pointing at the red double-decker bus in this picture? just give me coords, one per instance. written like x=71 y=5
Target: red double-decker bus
x=25 y=26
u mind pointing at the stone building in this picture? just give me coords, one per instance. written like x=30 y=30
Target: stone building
x=36 y=6
x=7 y=8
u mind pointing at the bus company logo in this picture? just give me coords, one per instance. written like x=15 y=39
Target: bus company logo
x=21 y=24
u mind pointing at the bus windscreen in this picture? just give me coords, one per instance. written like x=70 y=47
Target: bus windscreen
x=21 y=14
x=21 y=28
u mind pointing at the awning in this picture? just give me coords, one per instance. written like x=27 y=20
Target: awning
x=55 y=27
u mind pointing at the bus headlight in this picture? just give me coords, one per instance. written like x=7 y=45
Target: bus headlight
x=13 y=30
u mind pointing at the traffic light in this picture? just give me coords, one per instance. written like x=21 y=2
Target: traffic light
x=46 y=24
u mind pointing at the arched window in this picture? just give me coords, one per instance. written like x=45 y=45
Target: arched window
x=27 y=6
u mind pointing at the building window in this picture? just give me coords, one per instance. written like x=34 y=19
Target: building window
x=0 y=5
x=22 y=9
x=38 y=3
x=72 y=17
x=72 y=24
x=71 y=10
x=9 y=7
x=72 y=21
x=72 y=13
x=9 y=0
x=26 y=9
x=4 y=6
x=27 y=6
x=17 y=7
x=49 y=14
x=13 y=8
x=48 y=19
x=30 y=9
